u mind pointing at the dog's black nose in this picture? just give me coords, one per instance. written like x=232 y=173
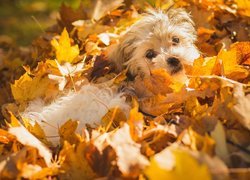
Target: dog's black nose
x=172 y=61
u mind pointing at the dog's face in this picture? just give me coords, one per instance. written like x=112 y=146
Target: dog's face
x=157 y=41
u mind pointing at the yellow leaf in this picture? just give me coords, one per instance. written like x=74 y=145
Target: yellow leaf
x=64 y=51
x=201 y=143
x=14 y=122
x=230 y=64
x=176 y=164
x=136 y=122
x=5 y=137
x=27 y=88
x=120 y=77
x=203 y=66
x=243 y=7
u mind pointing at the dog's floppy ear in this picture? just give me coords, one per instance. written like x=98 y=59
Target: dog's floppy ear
x=123 y=51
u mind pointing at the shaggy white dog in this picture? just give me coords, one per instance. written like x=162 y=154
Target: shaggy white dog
x=158 y=40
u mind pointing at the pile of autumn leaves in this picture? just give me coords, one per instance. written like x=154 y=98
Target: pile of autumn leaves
x=196 y=130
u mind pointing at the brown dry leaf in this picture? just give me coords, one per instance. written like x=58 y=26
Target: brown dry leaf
x=159 y=82
x=241 y=109
x=130 y=161
x=73 y=162
x=86 y=28
x=113 y=118
x=69 y=15
x=92 y=48
x=103 y=7
x=204 y=35
x=67 y=132
x=9 y=164
x=219 y=136
x=158 y=105
x=25 y=138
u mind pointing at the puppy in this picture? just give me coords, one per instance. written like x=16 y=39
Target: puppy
x=156 y=41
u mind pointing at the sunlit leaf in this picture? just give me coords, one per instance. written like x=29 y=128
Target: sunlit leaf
x=176 y=164
x=64 y=51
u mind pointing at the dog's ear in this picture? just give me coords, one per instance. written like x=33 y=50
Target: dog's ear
x=179 y=15
x=123 y=51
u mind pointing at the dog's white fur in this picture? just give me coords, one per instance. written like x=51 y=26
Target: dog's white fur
x=88 y=106
x=155 y=31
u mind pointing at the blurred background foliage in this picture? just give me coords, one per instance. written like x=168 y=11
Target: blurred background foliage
x=23 y=20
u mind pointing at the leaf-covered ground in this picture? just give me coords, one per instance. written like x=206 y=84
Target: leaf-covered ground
x=194 y=130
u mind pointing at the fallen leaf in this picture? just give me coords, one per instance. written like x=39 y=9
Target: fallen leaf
x=103 y=7
x=73 y=162
x=35 y=129
x=27 y=88
x=176 y=164
x=136 y=121
x=221 y=149
x=123 y=145
x=64 y=51
x=24 y=137
x=67 y=132
x=113 y=118
x=5 y=137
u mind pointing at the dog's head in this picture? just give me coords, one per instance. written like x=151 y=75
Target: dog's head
x=158 y=40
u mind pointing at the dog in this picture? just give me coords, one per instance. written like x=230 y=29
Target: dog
x=158 y=40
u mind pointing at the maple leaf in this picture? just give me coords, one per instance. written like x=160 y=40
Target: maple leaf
x=28 y=88
x=64 y=51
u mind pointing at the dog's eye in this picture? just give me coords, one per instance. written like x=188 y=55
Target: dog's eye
x=175 y=40
x=150 y=54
